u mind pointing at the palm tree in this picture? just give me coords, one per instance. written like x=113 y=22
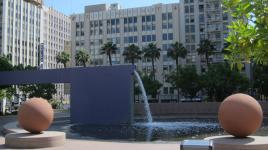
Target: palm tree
x=132 y=52
x=81 y=58
x=63 y=58
x=151 y=51
x=176 y=51
x=206 y=48
x=108 y=49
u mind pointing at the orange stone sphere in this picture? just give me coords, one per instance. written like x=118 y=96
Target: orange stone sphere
x=240 y=115
x=35 y=115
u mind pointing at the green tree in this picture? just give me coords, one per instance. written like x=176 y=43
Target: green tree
x=152 y=52
x=176 y=51
x=108 y=49
x=220 y=81
x=260 y=75
x=151 y=86
x=206 y=48
x=5 y=66
x=35 y=90
x=132 y=53
x=63 y=58
x=186 y=79
x=81 y=58
x=248 y=32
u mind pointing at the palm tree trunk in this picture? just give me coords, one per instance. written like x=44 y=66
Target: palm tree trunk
x=110 y=59
x=153 y=69
x=207 y=59
x=177 y=65
x=177 y=69
x=178 y=91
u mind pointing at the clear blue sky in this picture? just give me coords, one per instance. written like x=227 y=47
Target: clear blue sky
x=77 y=6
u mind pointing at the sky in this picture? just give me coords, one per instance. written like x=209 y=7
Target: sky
x=77 y=6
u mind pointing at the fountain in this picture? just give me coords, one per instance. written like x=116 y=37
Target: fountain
x=145 y=99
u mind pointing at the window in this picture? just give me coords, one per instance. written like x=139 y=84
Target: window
x=130 y=39
x=201 y=8
x=164 y=16
x=154 y=37
x=117 y=21
x=100 y=23
x=169 y=16
x=153 y=17
x=143 y=19
x=202 y=28
x=135 y=39
x=192 y=19
x=193 y=38
x=77 y=25
x=187 y=29
x=164 y=25
x=225 y=16
x=170 y=36
x=192 y=9
x=186 y=9
x=135 y=19
x=165 y=90
x=170 y=25
x=125 y=20
x=187 y=19
x=143 y=38
x=165 y=37
x=192 y=28
x=201 y=18
x=113 y=22
x=148 y=18
x=130 y=20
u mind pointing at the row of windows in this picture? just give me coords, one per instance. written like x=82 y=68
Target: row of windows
x=167 y=36
x=130 y=29
x=149 y=18
x=149 y=38
x=189 y=9
x=96 y=24
x=113 y=22
x=130 y=20
x=167 y=16
x=131 y=39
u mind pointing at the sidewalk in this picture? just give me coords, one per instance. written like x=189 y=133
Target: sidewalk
x=97 y=145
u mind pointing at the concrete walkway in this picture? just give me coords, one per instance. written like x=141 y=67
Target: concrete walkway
x=98 y=145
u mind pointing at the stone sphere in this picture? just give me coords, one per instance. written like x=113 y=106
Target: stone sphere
x=240 y=115
x=35 y=115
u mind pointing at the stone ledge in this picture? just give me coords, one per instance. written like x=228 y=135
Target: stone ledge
x=232 y=143
x=30 y=141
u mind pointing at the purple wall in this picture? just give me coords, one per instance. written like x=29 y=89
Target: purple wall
x=99 y=95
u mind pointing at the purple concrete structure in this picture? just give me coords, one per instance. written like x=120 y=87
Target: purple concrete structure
x=99 y=95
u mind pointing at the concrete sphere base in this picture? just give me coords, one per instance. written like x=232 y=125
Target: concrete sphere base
x=232 y=143
x=30 y=141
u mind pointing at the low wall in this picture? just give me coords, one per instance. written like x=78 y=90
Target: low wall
x=196 y=109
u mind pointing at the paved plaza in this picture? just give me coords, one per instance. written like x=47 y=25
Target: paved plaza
x=97 y=145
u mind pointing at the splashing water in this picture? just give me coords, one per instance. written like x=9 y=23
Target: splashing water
x=145 y=99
